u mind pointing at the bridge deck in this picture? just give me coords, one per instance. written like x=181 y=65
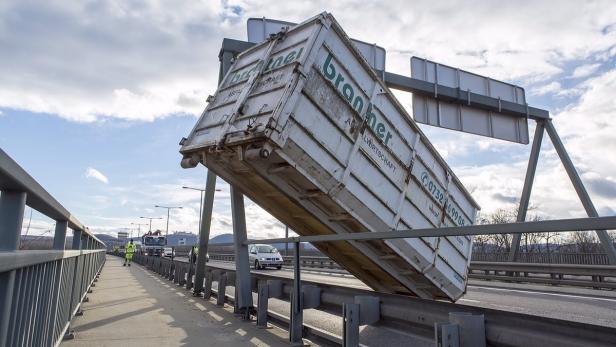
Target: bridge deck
x=132 y=307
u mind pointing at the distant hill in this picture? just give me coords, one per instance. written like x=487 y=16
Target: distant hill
x=223 y=238
x=106 y=237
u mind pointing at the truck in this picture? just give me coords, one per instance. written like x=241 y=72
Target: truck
x=153 y=243
x=303 y=126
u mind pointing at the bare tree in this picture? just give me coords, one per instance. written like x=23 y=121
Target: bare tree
x=480 y=243
x=501 y=241
x=584 y=241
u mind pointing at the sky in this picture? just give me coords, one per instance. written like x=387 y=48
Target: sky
x=96 y=95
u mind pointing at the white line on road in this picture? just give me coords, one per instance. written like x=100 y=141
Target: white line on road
x=544 y=293
x=470 y=300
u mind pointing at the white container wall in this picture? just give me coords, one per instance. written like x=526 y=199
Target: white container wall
x=306 y=129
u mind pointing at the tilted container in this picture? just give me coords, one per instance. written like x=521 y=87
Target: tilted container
x=303 y=127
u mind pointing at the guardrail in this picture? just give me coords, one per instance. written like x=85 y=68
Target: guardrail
x=415 y=316
x=595 y=276
x=591 y=276
x=547 y=258
x=40 y=290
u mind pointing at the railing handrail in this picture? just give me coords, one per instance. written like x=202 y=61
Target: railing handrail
x=13 y=260
x=14 y=177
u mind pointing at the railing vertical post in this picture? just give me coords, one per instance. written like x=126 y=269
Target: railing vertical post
x=297 y=319
x=76 y=240
x=59 y=241
x=242 y=262
x=222 y=289
x=12 y=206
x=76 y=245
x=59 y=238
x=263 y=297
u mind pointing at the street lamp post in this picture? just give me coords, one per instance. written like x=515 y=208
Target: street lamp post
x=138 y=229
x=200 y=202
x=150 y=218
x=168 y=209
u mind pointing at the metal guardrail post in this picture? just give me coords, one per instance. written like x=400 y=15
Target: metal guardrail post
x=350 y=328
x=263 y=298
x=182 y=276
x=297 y=319
x=189 y=275
x=12 y=206
x=222 y=289
x=446 y=335
x=464 y=329
x=471 y=328
x=207 y=287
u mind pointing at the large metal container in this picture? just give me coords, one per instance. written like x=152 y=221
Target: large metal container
x=304 y=127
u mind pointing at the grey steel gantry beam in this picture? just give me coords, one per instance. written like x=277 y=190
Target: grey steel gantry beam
x=544 y=226
x=463 y=97
x=606 y=242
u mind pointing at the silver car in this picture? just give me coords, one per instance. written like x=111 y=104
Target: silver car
x=262 y=256
x=169 y=252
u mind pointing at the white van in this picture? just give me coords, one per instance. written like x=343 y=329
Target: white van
x=262 y=256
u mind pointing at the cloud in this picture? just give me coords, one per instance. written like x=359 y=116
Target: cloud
x=97 y=175
x=552 y=87
x=603 y=187
x=141 y=61
x=585 y=70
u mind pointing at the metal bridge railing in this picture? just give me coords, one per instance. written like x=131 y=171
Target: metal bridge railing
x=415 y=316
x=40 y=290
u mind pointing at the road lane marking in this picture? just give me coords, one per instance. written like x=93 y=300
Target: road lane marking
x=470 y=300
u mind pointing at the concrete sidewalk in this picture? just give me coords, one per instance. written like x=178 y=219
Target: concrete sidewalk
x=132 y=307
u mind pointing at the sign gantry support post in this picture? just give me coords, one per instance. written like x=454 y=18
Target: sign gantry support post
x=242 y=263
x=230 y=49
x=578 y=185
x=528 y=186
x=204 y=232
x=606 y=242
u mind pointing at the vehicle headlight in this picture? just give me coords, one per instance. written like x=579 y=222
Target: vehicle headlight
x=262 y=258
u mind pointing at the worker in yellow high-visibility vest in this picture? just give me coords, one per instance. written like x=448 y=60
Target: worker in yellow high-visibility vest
x=130 y=250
